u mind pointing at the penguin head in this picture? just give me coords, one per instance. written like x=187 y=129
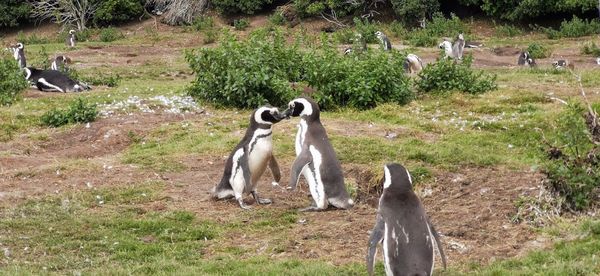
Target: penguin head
x=71 y=32
x=461 y=37
x=302 y=107
x=379 y=35
x=445 y=45
x=266 y=115
x=396 y=178
x=20 y=46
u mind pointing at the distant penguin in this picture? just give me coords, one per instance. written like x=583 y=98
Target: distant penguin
x=348 y=51
x=19 y=55
x=249 y=159
x=447 y=46
x=71 y=39
x=423 y=23
x=402 y=227
x=526 y=59
x=385 y=41
x=413 y=64
x=598 y=60
x=458 y=47
x=562 y=64
x=316 y=159
x=53 y=81
x=60 y=63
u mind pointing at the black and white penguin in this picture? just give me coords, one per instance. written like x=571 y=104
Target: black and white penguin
x=249 y=159
x=562 y=64
x=526 y=59
x=447 y=46
x=385 y=41
x=458 y=47
x=53 y=81
x=315 y=159
x=413 y=64
x=19 y=55
x=348 y=51
x=60 y=63
x=70 y=42
x=402 y=227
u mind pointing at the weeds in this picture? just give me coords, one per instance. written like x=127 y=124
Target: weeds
x=110 y=34
x=537 y=50
x=31 y=39
x=79 y=111
x=575 y=28
x=203 y=23
x=241 y=24
x=448 y=75
x=590 y=48
x=12 y=82
x=506 y=30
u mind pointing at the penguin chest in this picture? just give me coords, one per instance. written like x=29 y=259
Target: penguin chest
x=260 y=152
x=301 y=136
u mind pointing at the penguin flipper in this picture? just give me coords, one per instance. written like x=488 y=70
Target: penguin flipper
x=299 y=164
x=274 y=167
x=438 y=242
x=245 y=166
x=376 y=237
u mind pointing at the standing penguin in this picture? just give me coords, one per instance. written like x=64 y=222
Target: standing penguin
x=526 y=59
x=60 y=63
x=458 y=47
x=249 y=159
x=407 y=236
x=19 y=55
x=316 y=159
x=447 y=46
x=385 y=41
x=413 y=64
x=71 y=39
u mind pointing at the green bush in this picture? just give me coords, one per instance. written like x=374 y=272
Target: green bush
x=12 y=81
x=519 y=10
x=79 y=111
x=110 y=34
x=366 y=29
x=590 y=48
x=448 y=75
x=203 y=23
x=506 y=30
x=573 y=169
x=245 y=74
x=411 y=11
x=574 y=28
x=397 y=29
x=344 y=36
x=438 y=27
x=422 y=38
x=117 y=11
x=277 y=19
x=537 y=50
x=31 y=39
x=237 y=6
x=342 y=8
x=210 y=36
x=241 y=24
x=12 y=12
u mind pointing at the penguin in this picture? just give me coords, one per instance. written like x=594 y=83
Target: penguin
x=423 y=23
x=53 y=81
x=598 y=59
x=361 y=41
x=402 y=227
x=19 y=55
x=413 y=64
x=316 y=159
x=60 y=63
x=385 y=41
x=562 y=64
x=447 y=46
x=458 y=47
x=249 y=159
x=473 y=44
x=348 y=51
x=70 y=42
x=526 y=59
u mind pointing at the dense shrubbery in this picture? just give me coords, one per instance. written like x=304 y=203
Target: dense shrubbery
x=13 y=11
x=448 y=75
x=79 y=111
x=110 y=34
x=537 y=50
x=507 y=30
x=315 y=7
x=117 y=11
x=573 y=170
x=517 y=9
x=241 y=24
x=236 y=6
x=12 y=82
x=438 y=27
x=575 y=28
x=411 y=11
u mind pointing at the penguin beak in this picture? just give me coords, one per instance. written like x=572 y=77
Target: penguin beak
x=287 y=113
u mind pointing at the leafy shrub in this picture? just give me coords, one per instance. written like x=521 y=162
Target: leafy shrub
x=438 y=27
x=117 y=11
x=241 y=24
x=237 y=6
x=573 y=169
x=31 y=39
x=590 y=48
x=210 y=36
x=574 y=28
x=277 y=19
x=12 y=81
x=245 y=74
x=447 y=75
x=342 y=8
x=110 y=34
x=411 y=11
x=537 y=50
x=344 y=36
x=506 y=30
x=518 y=10
x=422 y=38
x=203 y=23
x=41 y=60
x=366 y=29
x=397 y=29
x=13 y=11
x=79 y=111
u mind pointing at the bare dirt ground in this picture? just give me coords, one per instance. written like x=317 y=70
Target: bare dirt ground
x=471 y=208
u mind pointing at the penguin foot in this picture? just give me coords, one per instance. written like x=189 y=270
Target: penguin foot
x=311 y=209
x=243 y=205
x=264 y=201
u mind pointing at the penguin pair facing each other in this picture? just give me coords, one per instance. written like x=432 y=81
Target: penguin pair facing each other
x=403 y=228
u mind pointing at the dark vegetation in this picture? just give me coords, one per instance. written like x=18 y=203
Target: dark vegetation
x=447 y=75
x=12 y=82
x=79 y=111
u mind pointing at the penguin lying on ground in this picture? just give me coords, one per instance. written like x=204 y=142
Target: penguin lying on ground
x=413 y=64
x=402 y=227
x=526 y=59
x=60 y=63
x=316 y=159
x=249 y=159
x=385 y=41
x=70 y=41
x=53 y=81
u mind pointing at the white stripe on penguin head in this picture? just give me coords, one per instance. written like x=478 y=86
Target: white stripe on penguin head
x=307 y=111
x=258 y=114
x=387 y=180
x=409 y=177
